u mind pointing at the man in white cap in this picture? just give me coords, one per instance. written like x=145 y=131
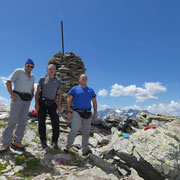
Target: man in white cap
x=21 y=97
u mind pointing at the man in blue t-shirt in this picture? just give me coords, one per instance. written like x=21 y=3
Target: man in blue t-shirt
x=81 y=96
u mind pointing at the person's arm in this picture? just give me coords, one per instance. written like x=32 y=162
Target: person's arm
x=37 y=98
x=32 y=92
x=9 y=88
x=69 y=101
x=95 y=108
x=59 y=99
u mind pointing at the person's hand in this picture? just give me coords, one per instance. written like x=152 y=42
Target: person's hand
x=95 y=116
x=13 y=97
x=37 y=107
x=59 y=108
x=69 y=115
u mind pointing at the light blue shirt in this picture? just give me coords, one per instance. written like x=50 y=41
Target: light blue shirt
x=22 y=83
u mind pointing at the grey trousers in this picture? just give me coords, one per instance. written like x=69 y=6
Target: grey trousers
x=76 y=124
x=18 y=117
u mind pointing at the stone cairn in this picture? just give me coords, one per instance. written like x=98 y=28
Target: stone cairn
x=69 y=68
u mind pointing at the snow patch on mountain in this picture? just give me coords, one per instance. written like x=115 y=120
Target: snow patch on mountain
x=124 y=112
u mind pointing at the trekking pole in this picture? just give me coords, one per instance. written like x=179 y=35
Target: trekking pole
x=62 y=37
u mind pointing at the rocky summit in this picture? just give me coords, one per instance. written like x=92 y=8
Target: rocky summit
x=149 y=149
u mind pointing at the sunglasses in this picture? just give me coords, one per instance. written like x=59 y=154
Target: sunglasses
x=29 y=66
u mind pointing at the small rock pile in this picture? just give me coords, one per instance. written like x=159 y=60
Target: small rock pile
x=69 y=68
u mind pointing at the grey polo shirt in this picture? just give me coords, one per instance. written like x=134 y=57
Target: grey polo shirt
x=22 y=83
x=50 y=86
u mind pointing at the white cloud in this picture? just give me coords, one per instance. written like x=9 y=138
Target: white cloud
x=102 y=107
x=103 y=92
x=135 y=107
x=4 y=100
x=3 y=79
x=141 y=94
x=173 y=108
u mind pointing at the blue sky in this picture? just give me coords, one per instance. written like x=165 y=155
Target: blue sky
x=131 y=48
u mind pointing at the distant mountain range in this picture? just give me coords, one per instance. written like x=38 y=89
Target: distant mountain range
x=124 y=112
x=101 y=114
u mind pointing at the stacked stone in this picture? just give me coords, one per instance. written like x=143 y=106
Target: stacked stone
x=69 y=69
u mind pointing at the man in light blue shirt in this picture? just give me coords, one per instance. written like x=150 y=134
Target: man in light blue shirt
x=21 y=98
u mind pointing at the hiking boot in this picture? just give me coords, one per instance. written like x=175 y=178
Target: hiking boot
x=17 y=146
x=86 y=153
x=54 y=145
x=4 y=149
x=44 y=144
x=66 y=150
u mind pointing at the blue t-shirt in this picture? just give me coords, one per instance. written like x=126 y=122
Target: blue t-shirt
x=82 y=97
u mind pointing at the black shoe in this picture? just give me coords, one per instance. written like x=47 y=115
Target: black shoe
x=86 y=153
x=54 y=145
x=4 y=149
x=44 y=144
x=17 y=146
x=66 y=150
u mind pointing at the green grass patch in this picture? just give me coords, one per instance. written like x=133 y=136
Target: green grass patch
x=34 y=124
x=24 y=143
x=2 y=125
x=2 y=167
x=33 y=168
x=5 y=119
x=36 y=132
x=36 y=141
x=53 y=151
x=20 y=159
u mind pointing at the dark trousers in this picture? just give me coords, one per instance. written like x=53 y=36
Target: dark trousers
x=42 y=113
